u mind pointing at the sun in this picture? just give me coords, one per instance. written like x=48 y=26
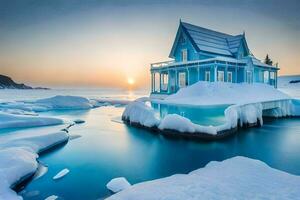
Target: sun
x=130 y=81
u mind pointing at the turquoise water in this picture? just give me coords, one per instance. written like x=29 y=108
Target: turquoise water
x=109 y=149
x=203 y=115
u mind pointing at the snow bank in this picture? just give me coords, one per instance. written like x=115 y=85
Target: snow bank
x=118 y=184
x=139 y=112
x=21 y=121
x=234 y=178
x=18 y=154
x=220 y=93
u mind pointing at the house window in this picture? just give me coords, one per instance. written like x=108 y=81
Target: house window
x=272 y=75
x=229 y=77
x=165 y=81
x=249 y=77
x=207 y=76
x=221 y=76
x=184 y=55
x=182 y=79
x=266 y=77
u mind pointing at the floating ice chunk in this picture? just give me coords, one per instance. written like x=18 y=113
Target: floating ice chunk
x=61 y=174
x=118 y=184
x=52 y=197
x=78 y=121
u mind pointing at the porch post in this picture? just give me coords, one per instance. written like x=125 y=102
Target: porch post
x=151 y=82
x=198 y=72
x=159 y=81
x=216 y=70
x=225 y=72
x=188 y=75
x=236 y=71
x=176 y=80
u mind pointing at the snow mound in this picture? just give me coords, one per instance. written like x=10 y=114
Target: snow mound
x=220 y=93
x=18 y=154
x=234 y=178
x=20 y=121
x=118 y=184
x=61 y=174
x=65 y=102
x=139 y=112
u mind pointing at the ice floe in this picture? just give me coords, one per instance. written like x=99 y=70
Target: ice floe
x=61 y=174
x=234 y=178
x=18 y=154
x=8 y=120
x=118 y=184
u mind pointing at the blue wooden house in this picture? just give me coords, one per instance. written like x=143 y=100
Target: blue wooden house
x=200 y=54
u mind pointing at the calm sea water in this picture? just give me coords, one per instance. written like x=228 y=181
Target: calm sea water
x=109 y=149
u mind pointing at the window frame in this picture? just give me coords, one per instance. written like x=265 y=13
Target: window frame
x=230 y=77
x=205 y=77
x=180 y=81
x=218 y=77
x=184 y=55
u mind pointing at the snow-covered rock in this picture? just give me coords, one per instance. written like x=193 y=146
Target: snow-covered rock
x=118 y=184
x=139 y=112
x=18 y=154
x=20 y=121
x=234 y=178
x=78 y=121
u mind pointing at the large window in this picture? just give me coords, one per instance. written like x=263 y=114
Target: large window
x=182 y=79
x=164 y=81
x=207 y=76
x=272 y=75
x=184 y=55
x=229 y=77
x=266 y=77
x=221 y=76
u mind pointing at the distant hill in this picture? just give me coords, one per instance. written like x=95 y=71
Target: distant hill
x=7 y=83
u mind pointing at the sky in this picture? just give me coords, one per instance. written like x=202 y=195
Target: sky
x=99 y=43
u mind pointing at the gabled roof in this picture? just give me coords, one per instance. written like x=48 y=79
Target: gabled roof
x=211 y=41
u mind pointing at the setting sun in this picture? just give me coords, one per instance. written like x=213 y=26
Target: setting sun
x=130 y=81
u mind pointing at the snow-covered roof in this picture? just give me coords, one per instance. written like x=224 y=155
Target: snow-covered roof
x=212 y=41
